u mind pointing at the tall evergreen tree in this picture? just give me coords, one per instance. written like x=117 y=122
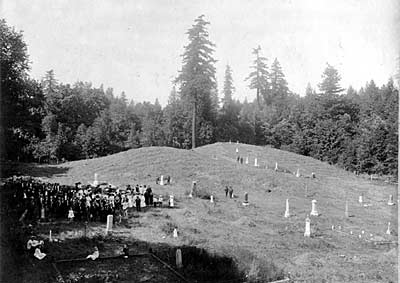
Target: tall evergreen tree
x=228 y=119
x=259 y=76
x=174 y=120
x=330 y=86
x=197 y=80
x=228 y=87
x=279 y=86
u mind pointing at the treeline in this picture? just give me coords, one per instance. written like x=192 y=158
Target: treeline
x=49 y=121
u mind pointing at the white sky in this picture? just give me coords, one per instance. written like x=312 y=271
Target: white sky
x=135 y=46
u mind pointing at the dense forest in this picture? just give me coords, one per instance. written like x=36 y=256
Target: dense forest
x=49 y=121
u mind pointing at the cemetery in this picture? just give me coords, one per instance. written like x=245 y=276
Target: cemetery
x=199 y=141
x=276 y=217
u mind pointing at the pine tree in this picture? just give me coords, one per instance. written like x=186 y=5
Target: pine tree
x=174 y=120
x=228 y=87
x=279 y=86
x=228 y=118
x=51 y=93
x=330 y=86
x=259 y=77
x=197 y=78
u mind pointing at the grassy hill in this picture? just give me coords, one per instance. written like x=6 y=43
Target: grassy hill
x=258 y=236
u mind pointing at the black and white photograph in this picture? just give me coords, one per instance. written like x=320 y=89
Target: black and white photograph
x=199 y=141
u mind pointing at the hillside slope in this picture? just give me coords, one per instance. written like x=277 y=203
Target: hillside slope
x=260 y=230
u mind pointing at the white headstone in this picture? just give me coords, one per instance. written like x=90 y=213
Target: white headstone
x=109 y=223
x=388 y=231
x=162 y=180
x=247 y=160
x=287 y=213
x=175 y=233
x=193 y=189
x=237 y=142
x=314 y=211
x=298 y=173
x=171 y=201
x=230 y=141
x=346 y=211
x=255 y=162
x=333 y=227
x=307 y=232
x=313 y=175
x=212 y=199
x=237 y=150
x=390 y=202
x=360 y=199
x=95 y=182
x=276 y=166
x=246 y=199
x=179 y=258
x=351 y=232
x=50 y=238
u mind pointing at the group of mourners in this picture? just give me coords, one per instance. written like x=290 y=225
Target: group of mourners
x=36 y=200
x=239 y=160
x=40 y=200
x=229 y=191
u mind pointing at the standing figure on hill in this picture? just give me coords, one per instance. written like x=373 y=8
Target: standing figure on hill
x=125 y=206
x=137 y=201
x=230 y=192
x=146 y=197
x=151 y=198
x=226 y=191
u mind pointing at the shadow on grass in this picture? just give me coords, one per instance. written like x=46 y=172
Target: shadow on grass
x=31 y=169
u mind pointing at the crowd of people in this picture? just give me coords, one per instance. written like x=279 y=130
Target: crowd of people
x=39 y=200
x=35 y=200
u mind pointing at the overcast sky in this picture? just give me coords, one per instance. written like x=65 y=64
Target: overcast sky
x=135 y=46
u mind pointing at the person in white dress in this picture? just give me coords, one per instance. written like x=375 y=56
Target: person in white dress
x=38 y=254
x=71 y=214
